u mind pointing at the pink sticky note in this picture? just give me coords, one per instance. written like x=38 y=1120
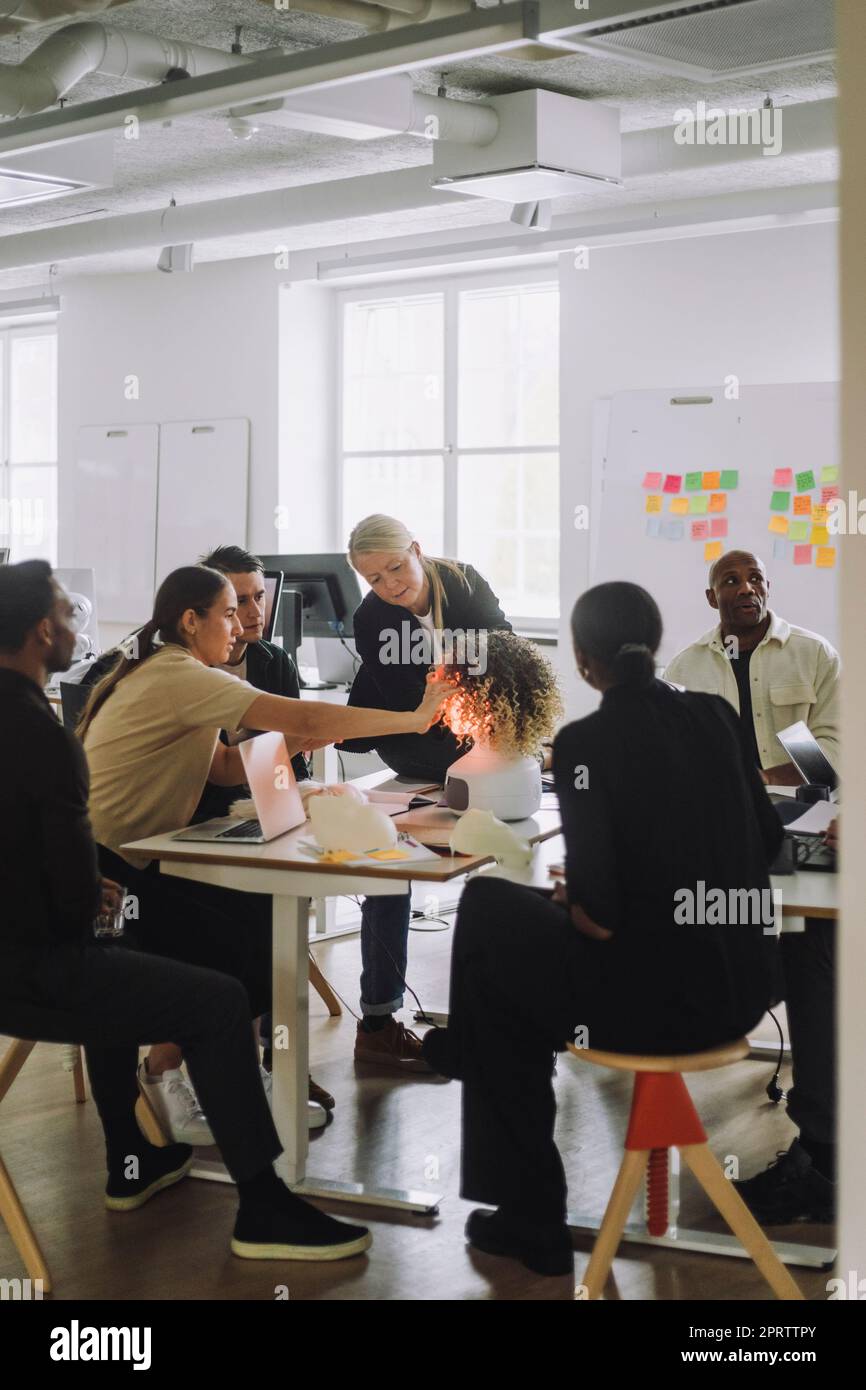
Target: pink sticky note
x=783 y=477
x=719 y=526
x=700 y=530
x=673 y=482
x=802 y=554
x=652 y=480
x=828 y=494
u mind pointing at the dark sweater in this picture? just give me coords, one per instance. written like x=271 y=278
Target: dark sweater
x=672 y=800
x=399 y=685
x=49 y=880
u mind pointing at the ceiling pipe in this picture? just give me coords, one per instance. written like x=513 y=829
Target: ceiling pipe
x=20 y=15
x=376 y=15
x=68 y=55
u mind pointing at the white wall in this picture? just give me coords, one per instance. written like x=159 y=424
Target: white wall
x=682 y=313
x=202 y=345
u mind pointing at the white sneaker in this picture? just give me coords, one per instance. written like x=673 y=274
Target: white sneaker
x=317 y=1116
x=175 y=1105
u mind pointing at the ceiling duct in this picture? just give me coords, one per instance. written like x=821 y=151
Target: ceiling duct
x=707 y=41
x=20 y=16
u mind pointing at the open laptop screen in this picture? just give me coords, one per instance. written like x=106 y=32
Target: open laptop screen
x=805 y=753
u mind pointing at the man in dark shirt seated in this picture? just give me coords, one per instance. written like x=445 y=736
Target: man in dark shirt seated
x=57 y=984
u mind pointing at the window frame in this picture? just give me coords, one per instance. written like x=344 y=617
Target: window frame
x=8 y=335
x=449 y=287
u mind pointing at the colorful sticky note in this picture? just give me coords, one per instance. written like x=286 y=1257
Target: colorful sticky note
x=783 y=477
x=802 y=554
x=829 y=494
x=652 y=480
x=698 y=505
x=798 y=530
x=679 y=506
x=805 y=480
x=387 y=854
x=780 y=548
x=830 y=474
x=653 y=502
x=711 y=481
x=672 y=530
x=730 y=478
x=780 y=501
x=673 y=482
x=819 y=515
x=653 y=525
x=778 y=525
x=820 y=535
x=803 y=505
x=700 y=530
x=825 y=558
x=712 y=551
x=719 y=526
x=693 y=482
x=718 y=502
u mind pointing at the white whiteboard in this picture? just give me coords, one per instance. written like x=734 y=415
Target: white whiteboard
x=768 y=427
x=114 y=517
x=203 y=468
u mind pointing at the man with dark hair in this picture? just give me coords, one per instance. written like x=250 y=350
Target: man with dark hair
x=57 y=984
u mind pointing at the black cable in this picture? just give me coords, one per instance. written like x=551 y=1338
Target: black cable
x=384 y=948
x=774 y=1090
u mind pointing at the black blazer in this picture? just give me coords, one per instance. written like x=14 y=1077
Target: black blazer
x=399 y=685
x=667 y=798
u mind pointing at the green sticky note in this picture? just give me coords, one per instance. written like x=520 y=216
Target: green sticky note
x=781 y=501
x=698 y=505
x=694 y=482
x=799 y=530
x=830 y=474
x=805 y=481
x=730 y=477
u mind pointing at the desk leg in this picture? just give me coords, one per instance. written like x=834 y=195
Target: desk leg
x=291 y=1034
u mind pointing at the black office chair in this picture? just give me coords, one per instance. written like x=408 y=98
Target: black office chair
x=73 y=698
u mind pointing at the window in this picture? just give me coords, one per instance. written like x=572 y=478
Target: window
x=450 y=421
x=28 y=443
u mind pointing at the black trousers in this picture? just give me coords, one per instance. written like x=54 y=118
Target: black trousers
x=809 y=966
x=523 y=980
x=199 y=924
x=113 y=1000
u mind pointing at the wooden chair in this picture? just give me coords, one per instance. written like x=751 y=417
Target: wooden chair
x=663 y=1116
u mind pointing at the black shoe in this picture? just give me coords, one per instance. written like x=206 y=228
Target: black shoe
x=157 y=1169
x=543 y=1249
x=293 y=1230
x=791 y=1189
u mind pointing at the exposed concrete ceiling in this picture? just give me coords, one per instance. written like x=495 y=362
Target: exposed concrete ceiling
x=198 y=159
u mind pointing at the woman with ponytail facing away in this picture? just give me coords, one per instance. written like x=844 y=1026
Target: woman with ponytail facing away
x=660 y=804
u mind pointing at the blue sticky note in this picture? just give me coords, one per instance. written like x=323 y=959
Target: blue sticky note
x=780 y=548
x=672 y=528
x=652 y=525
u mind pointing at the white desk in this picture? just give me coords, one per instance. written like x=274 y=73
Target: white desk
x=280 y=870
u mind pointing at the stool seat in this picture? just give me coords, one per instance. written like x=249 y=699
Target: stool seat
x=721 y=1056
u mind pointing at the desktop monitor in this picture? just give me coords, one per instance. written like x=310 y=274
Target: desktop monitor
x=329 y=591
x=4 y=554
x=273 y=590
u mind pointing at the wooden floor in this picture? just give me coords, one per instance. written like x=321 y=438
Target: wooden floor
x=396 y=1132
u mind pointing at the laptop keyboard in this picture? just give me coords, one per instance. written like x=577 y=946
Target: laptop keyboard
x=243 y=831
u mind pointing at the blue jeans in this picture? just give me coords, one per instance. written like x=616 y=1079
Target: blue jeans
x=384 y=947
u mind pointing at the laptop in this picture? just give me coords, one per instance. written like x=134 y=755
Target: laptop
x=805 y=753
x=274 y=790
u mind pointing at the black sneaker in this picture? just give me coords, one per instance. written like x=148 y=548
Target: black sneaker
x=543 y=1249
x=790 y=1189
x=293 y=1230
x=157 y=1169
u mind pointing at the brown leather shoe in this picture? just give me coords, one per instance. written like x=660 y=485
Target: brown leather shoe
x=321 y=1096
x=394 y=1046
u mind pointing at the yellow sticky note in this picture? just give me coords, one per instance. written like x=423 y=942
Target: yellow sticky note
x=711 y=481
x=820 y=535
x=679 y=506
x=825 y=557
x=387 y=854
x=819 y=515
x=653 y=502
x=718 y=502
x=712 y=551
x=338 y=856
x=778 y=525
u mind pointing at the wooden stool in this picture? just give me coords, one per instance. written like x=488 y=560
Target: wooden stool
x=663 y=1117
x=12 y=1213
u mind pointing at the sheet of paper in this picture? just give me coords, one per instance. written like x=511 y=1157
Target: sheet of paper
x=815 y=820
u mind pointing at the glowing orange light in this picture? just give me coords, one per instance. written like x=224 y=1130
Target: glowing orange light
x=463 y=714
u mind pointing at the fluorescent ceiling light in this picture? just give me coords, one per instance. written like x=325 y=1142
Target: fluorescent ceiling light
x=28 y=188
x=527 y=185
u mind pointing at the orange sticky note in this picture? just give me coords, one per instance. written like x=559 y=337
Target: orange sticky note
x=654 y=502
x=802 y=504
x=825 y=557
x=820 y=535
x=711 y=481
x=387 y=854
x=718 y=502
x=778 y=525
x=679 y=506
x=338 y=856
x=712 y=551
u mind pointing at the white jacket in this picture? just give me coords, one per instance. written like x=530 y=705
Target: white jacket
x=795 y=675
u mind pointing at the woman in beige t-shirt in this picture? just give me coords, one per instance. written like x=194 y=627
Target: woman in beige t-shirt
x=151 y=735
